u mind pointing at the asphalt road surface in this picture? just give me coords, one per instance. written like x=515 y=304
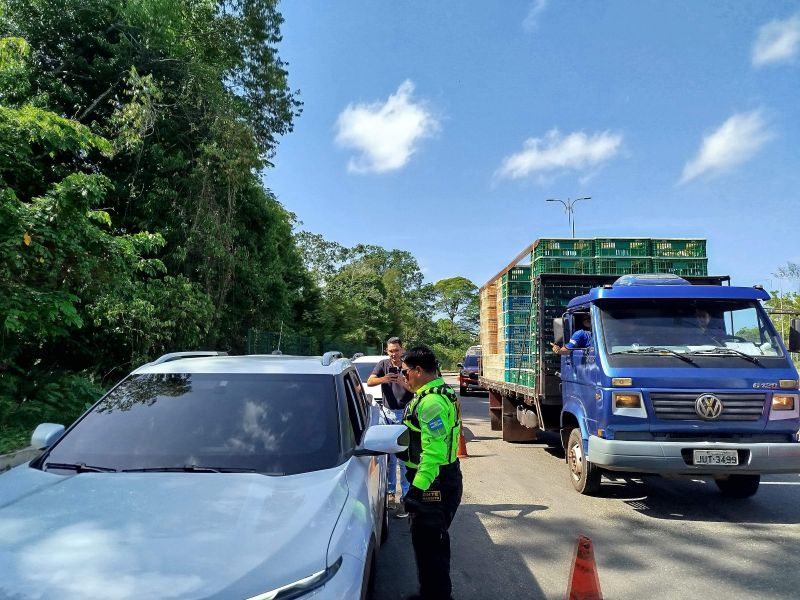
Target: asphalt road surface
x=515 y=533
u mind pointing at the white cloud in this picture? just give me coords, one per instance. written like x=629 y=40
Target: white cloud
x=737 y=140
x=532 y=18
x=385 y=134
x=553 y=153
x=777 y=41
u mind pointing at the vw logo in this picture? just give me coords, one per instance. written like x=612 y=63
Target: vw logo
x=708 y=407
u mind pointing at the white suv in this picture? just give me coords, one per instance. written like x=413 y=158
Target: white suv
x=206 y=476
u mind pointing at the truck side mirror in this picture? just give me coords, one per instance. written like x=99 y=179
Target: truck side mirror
x=794 y=335
x=558 y=331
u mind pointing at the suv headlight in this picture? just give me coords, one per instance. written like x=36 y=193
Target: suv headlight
x=301 y=586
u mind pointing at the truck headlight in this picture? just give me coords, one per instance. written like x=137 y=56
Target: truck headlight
x=783 y=401
x=784 y=406
x=628 y=404
x=301 y=586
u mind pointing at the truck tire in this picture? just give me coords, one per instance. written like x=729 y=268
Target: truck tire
x=585 y=476
x=463 y=390
x=738 y=486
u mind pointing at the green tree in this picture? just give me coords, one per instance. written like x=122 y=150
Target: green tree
x=193 y=96
x=60 y=258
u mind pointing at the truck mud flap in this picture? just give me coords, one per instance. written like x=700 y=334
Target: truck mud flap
x=513 y=431
x=496 y=410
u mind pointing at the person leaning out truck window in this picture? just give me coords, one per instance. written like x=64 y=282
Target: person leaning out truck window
x=582 y=338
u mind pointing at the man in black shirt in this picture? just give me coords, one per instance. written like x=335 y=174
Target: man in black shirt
x=396 y=394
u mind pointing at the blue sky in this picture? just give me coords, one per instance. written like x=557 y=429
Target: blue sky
x=441 y=127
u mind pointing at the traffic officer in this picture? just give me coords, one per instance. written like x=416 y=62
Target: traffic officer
x=433 y=418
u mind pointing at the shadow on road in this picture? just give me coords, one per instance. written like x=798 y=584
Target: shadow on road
x=480 y=568
x=700 y=500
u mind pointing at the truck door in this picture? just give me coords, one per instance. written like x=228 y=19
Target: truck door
x=581 y=377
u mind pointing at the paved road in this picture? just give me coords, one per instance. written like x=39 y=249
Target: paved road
x=515 y=532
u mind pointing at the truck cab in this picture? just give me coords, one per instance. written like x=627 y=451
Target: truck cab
x=678 y=379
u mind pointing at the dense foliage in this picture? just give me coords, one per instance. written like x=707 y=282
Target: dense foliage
x=134 y=138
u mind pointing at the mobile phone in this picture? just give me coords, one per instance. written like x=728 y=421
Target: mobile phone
x=394 y=369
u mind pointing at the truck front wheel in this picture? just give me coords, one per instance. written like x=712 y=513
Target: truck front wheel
x=738 y=486
x=585 y=476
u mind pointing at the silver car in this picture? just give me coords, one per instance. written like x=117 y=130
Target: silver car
x=252 y=477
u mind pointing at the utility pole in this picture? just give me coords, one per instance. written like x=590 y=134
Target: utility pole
x=569 y=208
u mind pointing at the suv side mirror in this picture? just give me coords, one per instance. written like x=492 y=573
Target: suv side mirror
x=460 y=366
x=794 y=335
x=45 y=435
x=558 y=331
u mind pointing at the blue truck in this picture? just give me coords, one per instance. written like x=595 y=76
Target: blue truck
x=682 y=377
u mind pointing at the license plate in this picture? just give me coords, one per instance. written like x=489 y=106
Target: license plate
x=716 y=457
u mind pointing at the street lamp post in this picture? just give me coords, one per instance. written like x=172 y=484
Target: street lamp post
x=569 y=209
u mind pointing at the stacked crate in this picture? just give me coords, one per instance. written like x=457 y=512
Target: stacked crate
x=566 y=256
x=491 y=359
x=514 y=324
x=620 y=256
x=488 y=320
x=685 y=257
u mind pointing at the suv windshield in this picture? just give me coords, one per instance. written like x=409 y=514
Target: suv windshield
x=688 y=327
x=276 y=424
x=471 y=361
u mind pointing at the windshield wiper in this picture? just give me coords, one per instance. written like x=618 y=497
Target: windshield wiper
x=728 y=351
x=78 y=467
x=190 y=469
x=656 y=350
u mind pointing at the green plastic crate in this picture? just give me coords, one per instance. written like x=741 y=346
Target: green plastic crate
x=568 y=266
x=678 y=248
x=622 y=247
x=622 y=266
x=517 y=274
x=516 y=288
x=563 y=247
x=516 y=317
x=520 y=376
x=517 y=361
x=685 y=267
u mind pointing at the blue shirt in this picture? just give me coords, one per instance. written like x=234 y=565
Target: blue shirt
x=580 y=339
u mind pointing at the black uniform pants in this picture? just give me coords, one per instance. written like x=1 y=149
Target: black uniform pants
x=430 y=521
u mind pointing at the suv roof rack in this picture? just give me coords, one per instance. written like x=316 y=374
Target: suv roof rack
x=188 y=354
x=331 y=356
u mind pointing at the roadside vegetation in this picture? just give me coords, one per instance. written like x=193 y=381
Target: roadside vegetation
x=135 y=136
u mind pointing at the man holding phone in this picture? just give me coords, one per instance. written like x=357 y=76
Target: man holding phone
x=396 y=394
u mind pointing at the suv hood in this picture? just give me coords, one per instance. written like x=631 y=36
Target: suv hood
x=163 y=535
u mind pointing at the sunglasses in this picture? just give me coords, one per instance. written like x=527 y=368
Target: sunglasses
x=405 y=371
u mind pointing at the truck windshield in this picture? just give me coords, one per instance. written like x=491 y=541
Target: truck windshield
x=688 y=327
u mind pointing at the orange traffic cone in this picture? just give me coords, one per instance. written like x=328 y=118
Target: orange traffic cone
x=584 y=584
x=462 y=445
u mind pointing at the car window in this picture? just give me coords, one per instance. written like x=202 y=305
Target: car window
x=355 y=407
x=364 y=369
x=361 y=396
x=281 y=424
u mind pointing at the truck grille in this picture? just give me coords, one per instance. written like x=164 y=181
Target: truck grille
x=681 y=406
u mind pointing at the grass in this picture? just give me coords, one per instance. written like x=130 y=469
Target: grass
x=14 y=438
